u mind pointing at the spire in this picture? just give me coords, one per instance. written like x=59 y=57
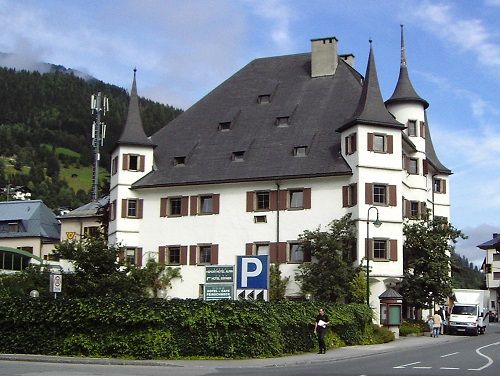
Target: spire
x=404 y=91
x=133 y=131
x=371 y=108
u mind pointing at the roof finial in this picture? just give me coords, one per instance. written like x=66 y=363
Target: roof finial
x=403 y=50
x=135 y=70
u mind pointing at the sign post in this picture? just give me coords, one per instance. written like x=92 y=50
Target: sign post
x=252 y=277
x=55 y=284
x=219 y=282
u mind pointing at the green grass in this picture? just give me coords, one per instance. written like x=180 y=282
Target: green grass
x=63 y=151
x=81 y=177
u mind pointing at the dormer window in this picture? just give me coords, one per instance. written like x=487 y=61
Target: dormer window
x=179 y=161
x=225 y=126
x=238 y=156
x=412 y=128
x=283 y=121
x=300 y=151
x=264 y=99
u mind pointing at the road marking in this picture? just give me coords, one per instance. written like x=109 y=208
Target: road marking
x=444 y=356
x=405 y=365
x=454 y=368
x=490 y=361
x=422 y=367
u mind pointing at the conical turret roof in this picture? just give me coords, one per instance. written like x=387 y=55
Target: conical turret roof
x=371 y=108
x=133 y=131
x=404 y=91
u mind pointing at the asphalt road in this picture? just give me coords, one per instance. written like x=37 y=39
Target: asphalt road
x=447 y=355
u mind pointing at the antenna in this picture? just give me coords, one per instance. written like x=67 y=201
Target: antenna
x=99 y=105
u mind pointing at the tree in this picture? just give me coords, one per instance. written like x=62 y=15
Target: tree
x=155 y=277
x=277 y=285
x=328 y=277
x=427 y=261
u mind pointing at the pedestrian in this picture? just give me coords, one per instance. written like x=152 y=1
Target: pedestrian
x=320 y=330
x=430 y=324
x=436 y=327
x=444 y=321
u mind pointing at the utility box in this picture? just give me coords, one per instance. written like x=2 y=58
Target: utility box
x=391 y=305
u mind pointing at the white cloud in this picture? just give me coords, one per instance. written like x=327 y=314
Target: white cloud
x=476 y=235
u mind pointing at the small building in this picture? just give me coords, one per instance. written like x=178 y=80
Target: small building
x=83 y=221
x=29 y=226
x=492 y=270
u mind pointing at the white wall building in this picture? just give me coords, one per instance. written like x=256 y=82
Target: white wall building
x=273 y=151
x=492 y=271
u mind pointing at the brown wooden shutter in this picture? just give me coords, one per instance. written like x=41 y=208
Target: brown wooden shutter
x=141 y=162
x=216 y=203
x=140 y=206
x=249 y=249
x=250 y=201
x=422 y=129
x=345 y=196
x=192 y=254
x=407 y=204
x=214 y=254
x=354 y=192
x=124 y=208
x=392 y=195
x=307 y=198
x=273 y=252
x=121 y=254
x=389 y=144
x=193 y=207
x=273 y=200
x=370 y=142
x=184 y=205
x=184 y=255
x=393 y=250
x=161 y=254
x=353 y=142
x=444 y=185
x=368 y=193
x=425 y=167
x=282 y=252
x=346 y=145
x=369 y=248
x=163 y=206
x=125 y=162
x=283 y=200
x=138 y=256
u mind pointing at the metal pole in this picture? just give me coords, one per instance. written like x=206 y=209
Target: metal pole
x=97 y=141
x=368 y=258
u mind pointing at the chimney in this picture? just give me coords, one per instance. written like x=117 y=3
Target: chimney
x=323 y=57
x=495 y=235
x=348 y=58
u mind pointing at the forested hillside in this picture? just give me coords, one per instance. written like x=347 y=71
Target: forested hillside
x=465 y=275
x=45 y=132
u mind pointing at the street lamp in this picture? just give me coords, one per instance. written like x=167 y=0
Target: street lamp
x=377 y=224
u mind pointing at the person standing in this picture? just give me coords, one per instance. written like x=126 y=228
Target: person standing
x=436 y=329
x=320 y=330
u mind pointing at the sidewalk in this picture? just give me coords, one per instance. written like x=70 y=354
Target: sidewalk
x=349 y=352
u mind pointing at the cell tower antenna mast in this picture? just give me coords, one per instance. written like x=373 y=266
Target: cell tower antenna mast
x=99 y=105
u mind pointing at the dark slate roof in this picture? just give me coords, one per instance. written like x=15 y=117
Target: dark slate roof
x=317 y=107
x=371 y=109
x=390 y=293
x=430 y=153
x=88 y=210
x=491 y=244
x=404 y=91
x=133 y=131
x=34 y=217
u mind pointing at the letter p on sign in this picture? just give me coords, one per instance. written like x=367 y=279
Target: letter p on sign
x=252 y=272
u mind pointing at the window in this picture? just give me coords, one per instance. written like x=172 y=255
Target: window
x=380 y=249
x=130 y=256
x=379 y=143
x=264 y=99
x=204 y=254
x=379 y=194
x=133 y=162
x=350 y=195
x=131 y=208
x=412 y=128
x=225 y=126
x=439 y=186
x=206 y=204
x=296 y=199
x=296 y=253
x=350 y=144
x=14 y=227
x=413 y=166
x=27 y=249
x=300 y=151
x=262 y=201
x=91 y=231
x=114 y=166
x=496 y=275
x=174 y=255
x=262 y=249
x=238 y=156
x=414 y=209
x=282 y=121
x=174 y=206
x=260 y=219
x=179 y=161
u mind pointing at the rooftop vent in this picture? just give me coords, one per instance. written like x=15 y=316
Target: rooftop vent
x=323 y=57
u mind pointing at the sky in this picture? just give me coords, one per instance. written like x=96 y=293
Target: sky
x=183 y=49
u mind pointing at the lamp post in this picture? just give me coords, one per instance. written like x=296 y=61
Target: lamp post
x=376 y=223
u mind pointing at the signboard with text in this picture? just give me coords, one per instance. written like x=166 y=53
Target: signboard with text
x=219 y=274
x=218 y=291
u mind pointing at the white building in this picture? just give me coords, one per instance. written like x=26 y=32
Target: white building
x=492 y=271
x=286 y=144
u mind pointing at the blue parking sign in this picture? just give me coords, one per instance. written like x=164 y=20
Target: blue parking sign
x=252 y=272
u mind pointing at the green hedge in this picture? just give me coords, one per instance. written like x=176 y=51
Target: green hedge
x=160 y=329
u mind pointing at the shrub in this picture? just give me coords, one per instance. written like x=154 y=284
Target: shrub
x=411 y=327
x=382 y=335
